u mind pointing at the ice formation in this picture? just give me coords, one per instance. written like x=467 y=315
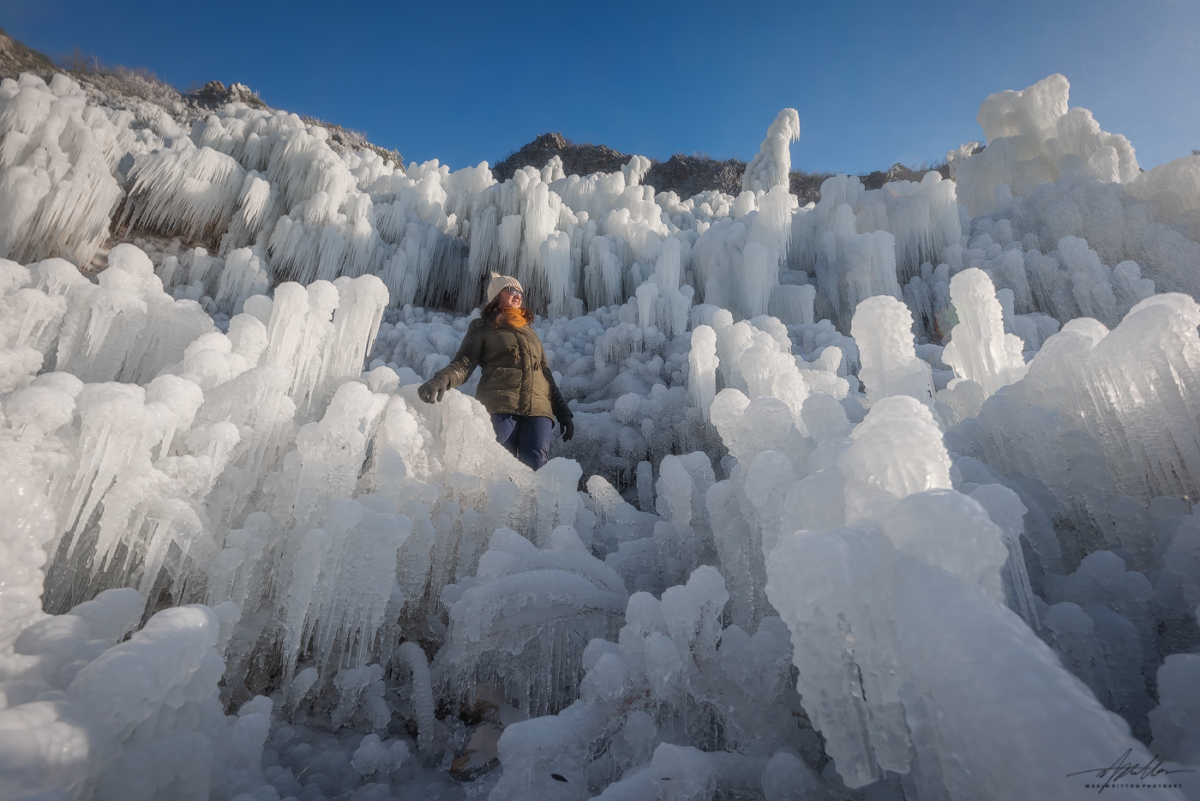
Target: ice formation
x=772 y=165
x=1033 y=137
x=872 y=498
x=983 y=356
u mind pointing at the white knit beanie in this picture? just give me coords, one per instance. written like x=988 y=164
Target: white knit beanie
x=498 y=282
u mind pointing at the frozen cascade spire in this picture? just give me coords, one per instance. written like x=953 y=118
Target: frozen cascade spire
x=361 y=302
x=635 y=170
x=895 y=452
x=411 y=653
x=772 y=165
x=760 y=278
x=331 y=452
x=673 y=301
x=647 y=302
x=773 y=224
x=298 y=330
x=318 y=352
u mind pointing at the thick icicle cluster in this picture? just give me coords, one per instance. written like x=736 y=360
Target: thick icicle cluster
x=57 y=189
x=89 y=713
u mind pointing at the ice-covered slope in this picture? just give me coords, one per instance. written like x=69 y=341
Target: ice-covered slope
x=868 y=498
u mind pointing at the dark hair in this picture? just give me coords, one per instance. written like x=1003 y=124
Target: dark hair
x=491 y=312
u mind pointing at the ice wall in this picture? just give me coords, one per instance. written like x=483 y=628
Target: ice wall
x=261 y=198
x=922 y=216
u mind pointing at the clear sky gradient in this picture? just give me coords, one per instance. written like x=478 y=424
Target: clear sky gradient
x=875 y=83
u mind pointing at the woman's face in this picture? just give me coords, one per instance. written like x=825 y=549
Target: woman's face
x=511 y=298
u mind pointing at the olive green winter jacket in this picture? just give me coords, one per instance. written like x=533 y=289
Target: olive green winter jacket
x=516 y=378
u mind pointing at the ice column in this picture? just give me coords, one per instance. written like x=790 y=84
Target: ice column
x=979 y=350
x=882 y=327
x=702 y=368
x=27 y=524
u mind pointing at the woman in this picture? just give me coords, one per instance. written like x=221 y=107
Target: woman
x=517 y=388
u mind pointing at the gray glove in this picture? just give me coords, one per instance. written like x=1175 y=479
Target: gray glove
x=433 y=389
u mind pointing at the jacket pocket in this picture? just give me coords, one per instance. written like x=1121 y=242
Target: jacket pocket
x=500 y=389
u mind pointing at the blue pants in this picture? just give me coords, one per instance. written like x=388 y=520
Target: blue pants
x=527 y=438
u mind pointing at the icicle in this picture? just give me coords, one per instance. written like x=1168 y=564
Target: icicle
x=411 y=653
x=190 y=190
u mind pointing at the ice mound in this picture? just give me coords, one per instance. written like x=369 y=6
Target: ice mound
x=1032 y=137
x=672 y=671
x=1104 y=386
x=530 y=605
x=1171 y=191
x=125 y=720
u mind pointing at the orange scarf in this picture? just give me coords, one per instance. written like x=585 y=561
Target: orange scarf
x=513 y=318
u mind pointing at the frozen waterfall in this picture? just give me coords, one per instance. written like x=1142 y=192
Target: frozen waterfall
x=884 y=497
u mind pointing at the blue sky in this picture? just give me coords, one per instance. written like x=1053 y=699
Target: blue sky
x=874 y=82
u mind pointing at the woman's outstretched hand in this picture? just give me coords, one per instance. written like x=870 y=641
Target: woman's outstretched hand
x=433 y=389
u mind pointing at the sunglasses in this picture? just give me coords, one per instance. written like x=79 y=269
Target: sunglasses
x=515 y=292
